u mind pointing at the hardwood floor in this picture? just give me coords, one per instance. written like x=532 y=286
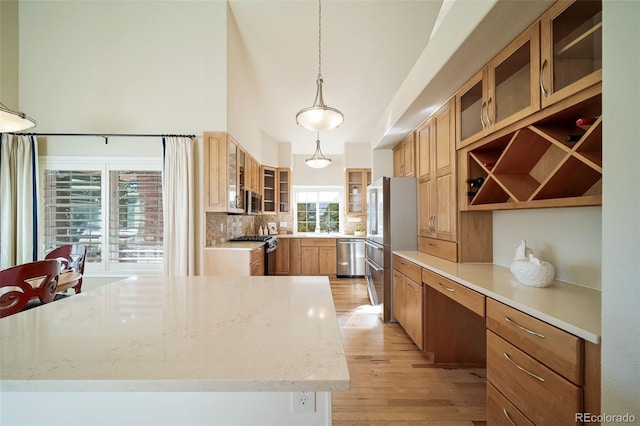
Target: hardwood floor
x=393 y=383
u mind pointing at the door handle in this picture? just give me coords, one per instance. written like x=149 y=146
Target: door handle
x=374 y=265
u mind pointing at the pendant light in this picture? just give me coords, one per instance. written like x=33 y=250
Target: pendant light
x=319 y=117
x=12 y=121
x=318 y=161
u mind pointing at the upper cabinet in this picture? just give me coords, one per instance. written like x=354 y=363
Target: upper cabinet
x=503 y=92
x=223 y=173
x=550 y=155
x=571 y=49
x=276 y=189
x=403 y=157
x=557 y=57
x=284 y=190
x=269 y=176
x=357 y=181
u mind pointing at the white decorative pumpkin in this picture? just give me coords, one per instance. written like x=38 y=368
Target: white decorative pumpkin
x=530 y=270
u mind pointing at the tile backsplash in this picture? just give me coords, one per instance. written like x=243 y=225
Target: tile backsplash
x=221 y=227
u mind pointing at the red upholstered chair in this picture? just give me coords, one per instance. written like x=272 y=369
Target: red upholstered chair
x=72 y=257
x=21 y=283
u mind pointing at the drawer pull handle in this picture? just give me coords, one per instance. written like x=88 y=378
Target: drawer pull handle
x=535 y=376
x=506 y=414
x=512 y=322
x=445 y=287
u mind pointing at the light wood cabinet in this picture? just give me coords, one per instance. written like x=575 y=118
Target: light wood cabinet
x=437 y=178
x=282 y=263
x=404 y=158
x=506 y=90
x=356 y=182
x=222 y=174
x=295 y=256
x=233 y=262
x=571 y=54
x=533 y=164
x=269 y=188
x=276 y=189
x=443 y=231
x=313 y=256
x=284 y=190
x=537 y=371
x=257 y=261
x=407 y=298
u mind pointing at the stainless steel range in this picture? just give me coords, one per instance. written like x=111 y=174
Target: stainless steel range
x=270 y=246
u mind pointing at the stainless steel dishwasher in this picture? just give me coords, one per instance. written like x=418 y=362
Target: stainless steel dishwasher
x=350 y=257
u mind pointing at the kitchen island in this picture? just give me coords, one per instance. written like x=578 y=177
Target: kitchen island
x=154 y=350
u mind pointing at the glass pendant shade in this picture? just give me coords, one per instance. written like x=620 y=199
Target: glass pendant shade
x=12 y=121
x=318 y=161
x=319 y=117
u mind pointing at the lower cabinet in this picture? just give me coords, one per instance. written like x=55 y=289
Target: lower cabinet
x=282 y=263
x=537 y=372
x=313 y=256
x=407 y=299
x=233 y=262
x=257 y=261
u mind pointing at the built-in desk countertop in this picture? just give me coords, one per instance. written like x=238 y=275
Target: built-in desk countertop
x=570 y=307
x=150 y=333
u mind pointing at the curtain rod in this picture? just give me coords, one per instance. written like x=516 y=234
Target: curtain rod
x=106 y=136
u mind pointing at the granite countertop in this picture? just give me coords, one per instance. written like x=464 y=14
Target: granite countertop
x=191 y=334
x=570 y=307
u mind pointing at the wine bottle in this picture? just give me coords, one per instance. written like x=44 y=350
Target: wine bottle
x=585 y=121
x=475 y=183
x=572 y=138
x=488 y=164
x=471 y=193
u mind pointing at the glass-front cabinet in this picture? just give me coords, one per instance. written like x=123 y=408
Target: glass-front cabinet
x=284 y=190
x=268 y=189
x=357 y=181
x=503 y=92
x=571 y=49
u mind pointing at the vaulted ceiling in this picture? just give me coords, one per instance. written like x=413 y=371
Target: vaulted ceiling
x=368 y=47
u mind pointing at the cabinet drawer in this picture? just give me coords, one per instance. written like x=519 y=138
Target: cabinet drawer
x=557 y=349
x=317 y=242
x=439 y=248
x=542 y=395
x=407 y=268
x=501 y=412
x=257 y=254
x=466 y=297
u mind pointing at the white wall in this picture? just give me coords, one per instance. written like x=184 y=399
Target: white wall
x=244 y=94
x=621 y=209
x=124 y=67
x=332 y=175
x=9 y=54
x=568 y=238
x=357 y=155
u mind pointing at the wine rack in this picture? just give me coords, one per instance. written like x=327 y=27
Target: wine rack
x=536 y=165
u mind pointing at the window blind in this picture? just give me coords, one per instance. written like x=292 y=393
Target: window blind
x=73 y=210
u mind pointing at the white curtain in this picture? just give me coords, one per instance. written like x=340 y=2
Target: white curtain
x=18 y=199
x=178 y=198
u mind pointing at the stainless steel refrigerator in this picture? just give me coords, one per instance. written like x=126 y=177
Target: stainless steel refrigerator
x=392 y=224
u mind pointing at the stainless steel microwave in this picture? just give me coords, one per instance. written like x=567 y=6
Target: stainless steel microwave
x=254 y=203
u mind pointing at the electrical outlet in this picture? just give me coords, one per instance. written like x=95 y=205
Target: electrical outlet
x=303 y=402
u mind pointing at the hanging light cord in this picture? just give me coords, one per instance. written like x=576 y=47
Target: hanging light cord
x=319 y=38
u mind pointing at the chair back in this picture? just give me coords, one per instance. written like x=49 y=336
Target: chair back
x=71 y=256
x=21 y=283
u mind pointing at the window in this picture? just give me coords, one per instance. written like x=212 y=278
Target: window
x=114 y=207
x=318 y=209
